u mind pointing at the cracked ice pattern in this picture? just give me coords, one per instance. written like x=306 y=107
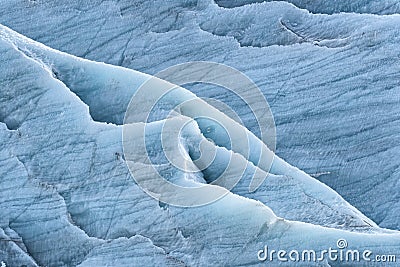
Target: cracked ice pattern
x=336 y=119
x=384 y=7
x=332 y=82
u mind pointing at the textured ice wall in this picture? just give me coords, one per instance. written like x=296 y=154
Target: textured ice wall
x=382 y=7
x=331 y=80
x=337 y=72
x=64 y=178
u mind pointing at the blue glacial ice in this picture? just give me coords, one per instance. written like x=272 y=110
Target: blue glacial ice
x=332 y=82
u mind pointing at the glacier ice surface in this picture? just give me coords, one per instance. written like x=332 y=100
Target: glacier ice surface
x=335 y=118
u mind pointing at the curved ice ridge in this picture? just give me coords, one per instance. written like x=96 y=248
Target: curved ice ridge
x=107 y=94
